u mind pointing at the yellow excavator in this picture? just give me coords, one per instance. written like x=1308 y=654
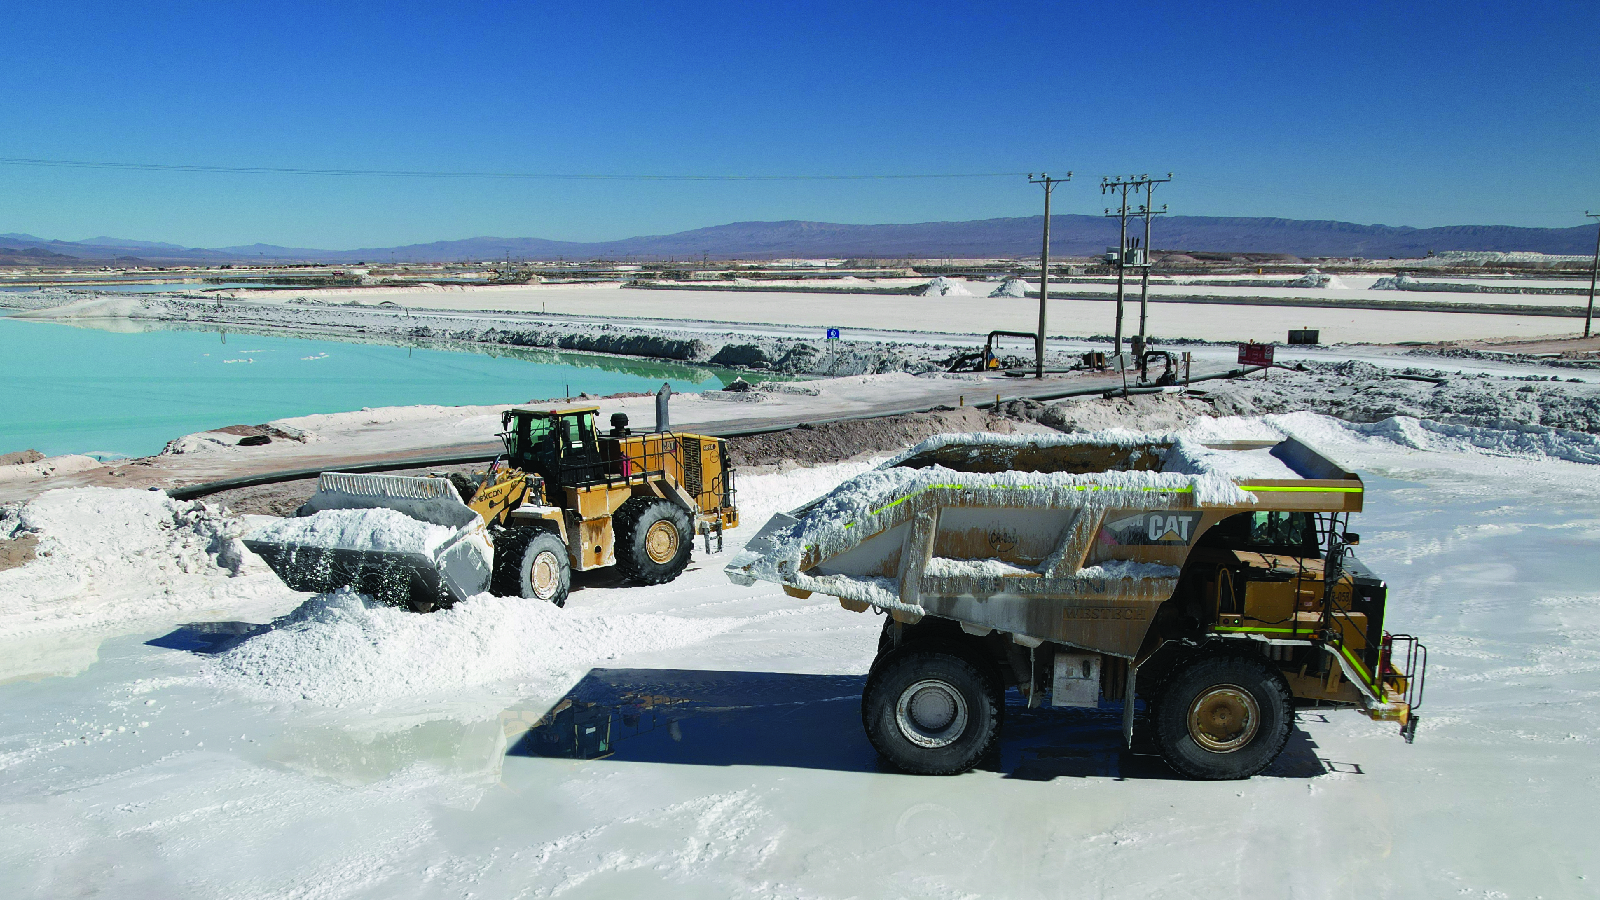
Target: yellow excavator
x=562 y=497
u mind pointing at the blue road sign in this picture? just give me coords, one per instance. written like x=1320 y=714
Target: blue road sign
x=833 y=334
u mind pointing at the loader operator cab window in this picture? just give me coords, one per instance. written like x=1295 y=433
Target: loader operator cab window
x=580 y=457
x=559 y=447
x=531 y=444
x=1292 y=533
x=580 y=430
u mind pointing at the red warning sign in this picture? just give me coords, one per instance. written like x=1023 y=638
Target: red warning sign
x=1254 y=354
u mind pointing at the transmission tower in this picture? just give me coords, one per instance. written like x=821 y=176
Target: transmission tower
x=1049 y=184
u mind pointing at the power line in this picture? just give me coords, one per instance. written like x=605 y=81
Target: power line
x=407 y=173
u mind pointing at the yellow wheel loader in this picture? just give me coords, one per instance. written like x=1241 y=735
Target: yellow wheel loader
x=562 y=497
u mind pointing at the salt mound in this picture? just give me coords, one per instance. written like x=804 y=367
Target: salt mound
x=1311 y=279
x=1335 y=283
x=1518 y=441
x=1190 y=456
x=1393 y=283
x=944 y=287
x=109 y=555
x=47 y=466
x=340 y=648
x=384 y=530
x=1329 y=434
x=1013 y=287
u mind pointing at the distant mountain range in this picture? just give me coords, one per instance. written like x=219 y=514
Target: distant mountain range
x=1017 y=237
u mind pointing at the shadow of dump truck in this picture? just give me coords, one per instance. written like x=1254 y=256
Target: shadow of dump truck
x=707 y=718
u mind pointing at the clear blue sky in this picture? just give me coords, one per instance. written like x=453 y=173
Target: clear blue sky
x=1401 y=113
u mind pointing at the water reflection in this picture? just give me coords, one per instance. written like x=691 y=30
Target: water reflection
x=641 y=367
x=89 y=388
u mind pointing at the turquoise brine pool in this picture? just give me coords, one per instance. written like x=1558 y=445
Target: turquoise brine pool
x=111 y=393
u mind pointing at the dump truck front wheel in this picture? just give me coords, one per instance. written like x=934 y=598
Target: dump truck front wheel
x=654 y=538
x=931 y=712
x=1223 y=717
x=531 y=563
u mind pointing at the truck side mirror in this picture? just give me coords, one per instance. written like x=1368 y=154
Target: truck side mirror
x=1351 y=538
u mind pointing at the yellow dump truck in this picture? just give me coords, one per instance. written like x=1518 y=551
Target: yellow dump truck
x=1210 y=584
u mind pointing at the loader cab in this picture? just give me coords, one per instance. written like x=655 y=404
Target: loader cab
x=557 y=444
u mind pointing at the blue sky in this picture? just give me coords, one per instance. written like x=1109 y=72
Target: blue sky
x=1400 y=113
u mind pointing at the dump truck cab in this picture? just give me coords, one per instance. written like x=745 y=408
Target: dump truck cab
x=1209 y=583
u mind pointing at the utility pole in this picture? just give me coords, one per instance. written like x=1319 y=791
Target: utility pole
x=1588 y=320
x=1144 y=272
x=1044 y=267
x=1107 y=184
x=1122 y=186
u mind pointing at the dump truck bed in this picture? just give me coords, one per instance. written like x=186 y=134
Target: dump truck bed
x=1076 y=539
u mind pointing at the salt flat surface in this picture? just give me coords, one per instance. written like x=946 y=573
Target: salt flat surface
x=955 y=313
x=154 y=772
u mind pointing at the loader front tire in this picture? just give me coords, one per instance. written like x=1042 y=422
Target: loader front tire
x=929 y=711
x=1222 y=718
x=531 y=563
x=654 y=538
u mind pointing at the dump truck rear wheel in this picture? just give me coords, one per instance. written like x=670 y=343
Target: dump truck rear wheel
x=931 y=712
x=653 y=540
x=531 y=563
x=1223 y=718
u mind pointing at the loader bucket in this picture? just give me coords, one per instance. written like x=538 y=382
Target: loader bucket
x=454 y=571
x=425 y=499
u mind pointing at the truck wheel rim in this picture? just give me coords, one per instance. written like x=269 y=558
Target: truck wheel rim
x=1224 y=718
x=931 y=714
x=545 y=576
x=661 y=542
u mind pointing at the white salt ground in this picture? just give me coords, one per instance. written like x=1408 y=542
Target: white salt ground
x=138 y=778
x=340 y=649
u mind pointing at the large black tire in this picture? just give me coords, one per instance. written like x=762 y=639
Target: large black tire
x=1223 y=718
x=930 y=711
x=531 y=563
x=654 y=538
